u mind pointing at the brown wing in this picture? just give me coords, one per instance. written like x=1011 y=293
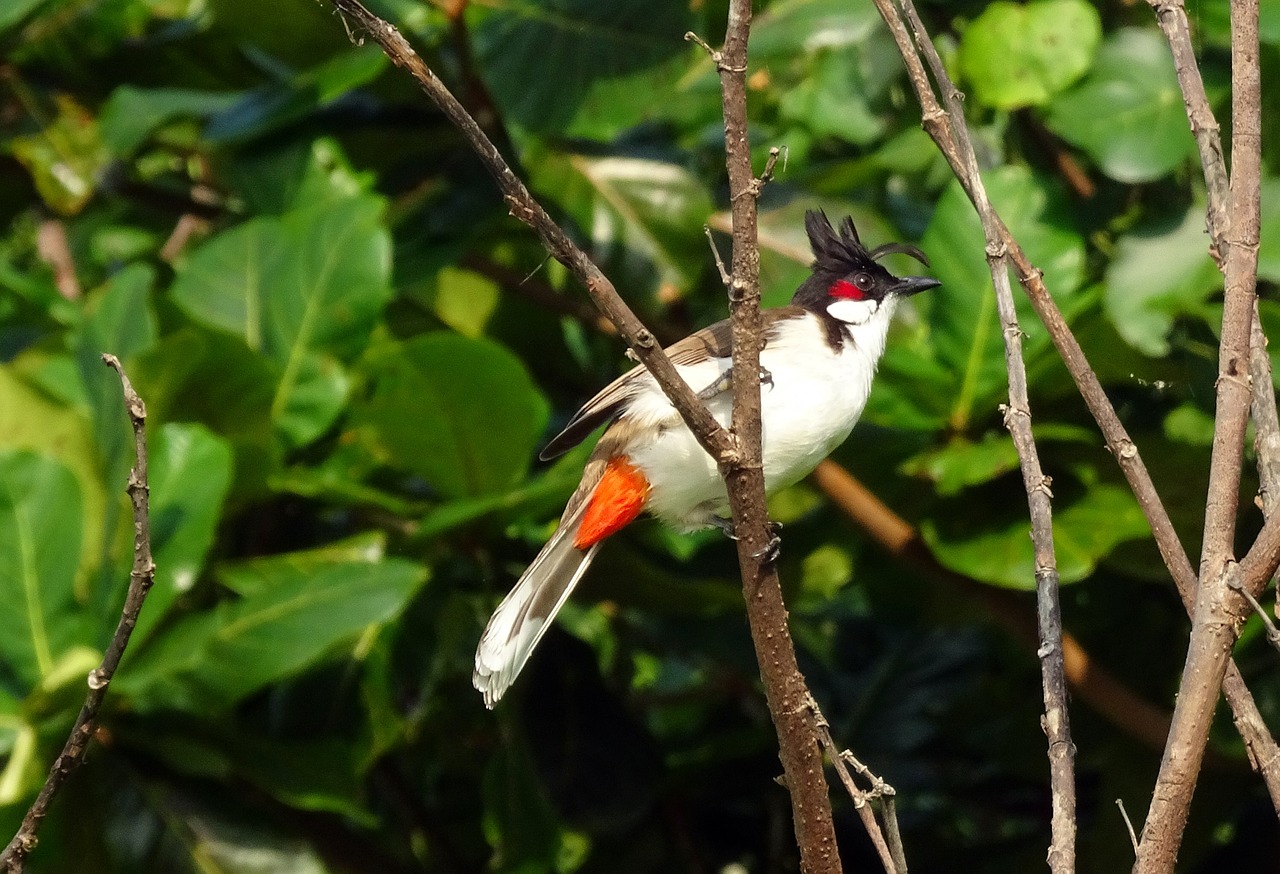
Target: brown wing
x=713 y=341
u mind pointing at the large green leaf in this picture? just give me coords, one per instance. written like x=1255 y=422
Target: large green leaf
x=1127 y=114
x=131 y=114
x=1021 y=55
x=645 y=217
x=274 y=106
x=305 y=290
x=995 y=546
x=30 y=420
x=1161 y=270
x=829 y=64
x=463 y=413
x=190 y=473
x=966 y=332
x=40 y=523
x=579 y=48
x=302 y=616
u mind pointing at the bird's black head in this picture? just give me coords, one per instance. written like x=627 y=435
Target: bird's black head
x=846 y=273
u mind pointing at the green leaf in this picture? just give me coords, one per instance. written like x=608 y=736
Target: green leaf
x=40 y=524
x=579 y=47
x=463 y=413
x=519 y=822
x=214 y=379
x=1161 y=270
x=298 y=618
x=274 y=106
x=1021 y=55
x=131 y=114
x=258 y=575
x=15 y=10
x=962 y=463
x=190 y=473
x=65 y=158
x=995 y=545
x=1128 y=113
x=312 y=281
x=831 y=99
x=30 y=420
x=965 y=330
x=645 y=217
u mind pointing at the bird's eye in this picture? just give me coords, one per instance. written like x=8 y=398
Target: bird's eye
x=863 y=281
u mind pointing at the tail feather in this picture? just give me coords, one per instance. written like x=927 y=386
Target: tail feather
x=526 y=613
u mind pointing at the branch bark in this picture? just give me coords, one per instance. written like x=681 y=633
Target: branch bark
x=14 y=857
x=738 y=452
x=785 y=688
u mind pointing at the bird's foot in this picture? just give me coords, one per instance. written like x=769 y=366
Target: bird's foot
x=769 y=554
x=771 y=550
x=725 y=382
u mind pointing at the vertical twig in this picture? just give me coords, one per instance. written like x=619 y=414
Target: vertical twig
x=1219 y=610
x=784 y=686
x=14 y=857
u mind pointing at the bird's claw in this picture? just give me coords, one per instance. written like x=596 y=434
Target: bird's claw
x=725 y=382
x=769 y=554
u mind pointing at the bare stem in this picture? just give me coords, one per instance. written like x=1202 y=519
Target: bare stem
x=14 y=857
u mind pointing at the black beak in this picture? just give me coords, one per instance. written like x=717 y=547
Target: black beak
x=910 y=285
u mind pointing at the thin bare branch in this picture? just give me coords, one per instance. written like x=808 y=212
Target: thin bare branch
x=14 y=857
x=784 y=686
x=841 y=760
x=949 y=125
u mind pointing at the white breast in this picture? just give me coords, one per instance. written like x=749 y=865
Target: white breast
x=817 y=395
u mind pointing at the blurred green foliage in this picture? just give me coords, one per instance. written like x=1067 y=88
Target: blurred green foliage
x=351 y=353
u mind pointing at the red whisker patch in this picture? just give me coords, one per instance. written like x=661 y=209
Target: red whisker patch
x=846 y=290
x=618 y=499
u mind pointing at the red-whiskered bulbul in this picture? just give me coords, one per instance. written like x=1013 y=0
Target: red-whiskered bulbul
x=817 y=362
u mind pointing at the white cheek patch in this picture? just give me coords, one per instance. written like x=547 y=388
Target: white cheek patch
x=853 y=312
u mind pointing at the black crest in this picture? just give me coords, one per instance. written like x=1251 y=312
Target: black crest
x=842 y=253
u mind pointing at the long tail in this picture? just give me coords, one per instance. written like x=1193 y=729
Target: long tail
x=526 y=613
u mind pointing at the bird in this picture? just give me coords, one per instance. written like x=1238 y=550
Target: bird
x=817 y=361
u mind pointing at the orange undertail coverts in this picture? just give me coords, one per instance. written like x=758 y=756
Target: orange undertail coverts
x=619 y=498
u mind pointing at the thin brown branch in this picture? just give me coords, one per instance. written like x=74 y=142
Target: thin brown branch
x=785 y=689
x=1266 y=440
x=1219 y=611
x=841 y=760
x=1172 y=17
x=14 y=857
x=950 y=124
x=716 y=440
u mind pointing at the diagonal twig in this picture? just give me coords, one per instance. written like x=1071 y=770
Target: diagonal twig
x=14 y=857
x=952 y=130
